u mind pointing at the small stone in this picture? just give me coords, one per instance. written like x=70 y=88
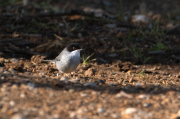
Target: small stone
x=79 y=35
x=73 y=115
x=110 y=26
x=138 y=84
x=100 y=110
x=27 y=73
x=6 y=72
x=142 y=96
x=115 y=116
x=90 y=72
x=65 y=79
x=74 y=80
x=6 y=60
x=1 y=69
x=92 y=84
x=71 y=90
x=83 y=94
x=140 y=19
x=14 y=60
x=94 y=93
x=42 y=74
x=31 y=86
x=56 y=116
x=139 y=40
x=123 y=94
x=82 y=81
x=113 y=55
x=12 y=103
x=14 y=86
x=17 y=116
x=2 y=77
x=130 y=110
x=80 y=111
x=22 y=95
x=178 y=113
x=12 y=70
x=146 y=104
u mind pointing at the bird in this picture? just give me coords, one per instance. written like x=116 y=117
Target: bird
x=69 y=59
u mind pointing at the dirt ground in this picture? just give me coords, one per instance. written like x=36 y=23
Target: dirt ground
x=134 y=72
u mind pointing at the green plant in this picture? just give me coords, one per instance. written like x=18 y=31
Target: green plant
x=141 y=74
x=137 y=53
x=74 y=28
x=86 y=61
x=147 y=59
x=159 y=46
x=120 y=12
x=135 y=34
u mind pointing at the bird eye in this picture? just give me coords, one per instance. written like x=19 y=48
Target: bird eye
x=74 y=48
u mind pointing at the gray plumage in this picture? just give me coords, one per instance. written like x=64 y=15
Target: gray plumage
x=68 y=60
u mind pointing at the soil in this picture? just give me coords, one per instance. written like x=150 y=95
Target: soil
x=134 y=72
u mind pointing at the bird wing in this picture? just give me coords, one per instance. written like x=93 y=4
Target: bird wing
x=58 y=58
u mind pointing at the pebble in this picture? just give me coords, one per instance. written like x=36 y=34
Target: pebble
x=113 y=55
x=6 y=60
x=115 y=116
x=73 y=115
x=123 y=94
x=140 y=18
x=94 y=93
x=138 y=84
x=22 y=95
x=2 y=77
x=90 y=72
x=14 y=86
x=74 y=80
x=92 y=84
x=6 y=72
x=41 y=112
x=83 y=94
x=42 y=74
x=27 y=73
x=17 y=116
x=12 y=103
x=146 y=104
x=100 y=110
x=80 y=35
x=56 y=116
x=71 y=90
x=14 y=60
x=65 y=79
x=12 y=70
x=142 y=96
x=31 y=86
x=1 y=69
x=139 y=40
x=110 y=26
x=80 y=111
x=83 y=80
x=130 y=110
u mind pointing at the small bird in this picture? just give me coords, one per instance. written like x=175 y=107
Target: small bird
x=68 y=60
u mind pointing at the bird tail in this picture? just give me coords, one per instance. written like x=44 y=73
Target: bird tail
x=52 y=61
